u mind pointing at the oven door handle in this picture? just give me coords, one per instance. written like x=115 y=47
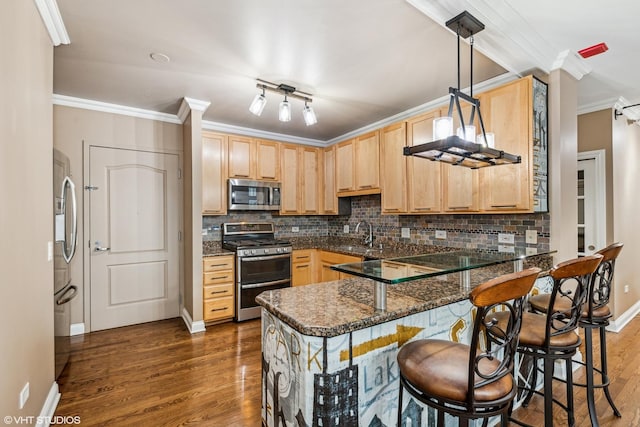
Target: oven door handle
x=264 y=258
x=265 y=284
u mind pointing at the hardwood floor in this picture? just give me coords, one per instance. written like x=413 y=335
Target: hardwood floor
x=157 y=374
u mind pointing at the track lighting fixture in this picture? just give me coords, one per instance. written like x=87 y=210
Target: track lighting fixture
x=284 y=109
x=462 y=148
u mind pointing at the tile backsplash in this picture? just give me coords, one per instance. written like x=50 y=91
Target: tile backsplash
x=463 y=231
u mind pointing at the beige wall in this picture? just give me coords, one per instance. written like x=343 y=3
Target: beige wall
x=73 y=129
x=26 y=158
x=626 y=205
x=594 y=133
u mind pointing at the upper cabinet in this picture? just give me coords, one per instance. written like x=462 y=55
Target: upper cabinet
x=300 y=184
x=393 y=168
x=214 y=173
x=424 y=176
x=358 y=165
x=329 y=198
x=507 y=112
x=253 y=159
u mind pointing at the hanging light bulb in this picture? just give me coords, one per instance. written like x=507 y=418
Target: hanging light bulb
x=284 y=113
x=309 y=115
x=258 y=103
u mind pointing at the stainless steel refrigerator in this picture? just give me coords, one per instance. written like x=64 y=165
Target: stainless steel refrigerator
x=65 y=227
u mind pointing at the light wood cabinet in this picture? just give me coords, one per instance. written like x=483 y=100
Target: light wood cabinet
x=329 y=199
x=214 y=174
x=507 y=112
x=358 y=165
x=218 y=288
x=303 y=267
x=423 y=176
x=393 y=168
x=253 y=159
x=300 y=184
x=327 y=259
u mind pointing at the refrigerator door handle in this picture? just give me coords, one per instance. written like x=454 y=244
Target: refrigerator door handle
x=65 y=297
x=68 y=250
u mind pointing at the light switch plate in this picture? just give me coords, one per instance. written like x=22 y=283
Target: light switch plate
x=531 y=236
x=506 y=238
x=506 y=249
x=295 y=229
x=345 y=228
x=531 y=251
x=405 y=232
x=441 y=234
x=205 y=231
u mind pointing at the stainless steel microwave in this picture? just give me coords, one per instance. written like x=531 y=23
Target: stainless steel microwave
x=245 y=194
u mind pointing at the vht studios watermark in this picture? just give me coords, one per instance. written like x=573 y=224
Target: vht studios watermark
x=30 y=420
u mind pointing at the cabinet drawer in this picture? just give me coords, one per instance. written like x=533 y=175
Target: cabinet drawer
x=302 y=255
x=217 y=291
x=218 y=277
x=218 y=308
x=217 y=263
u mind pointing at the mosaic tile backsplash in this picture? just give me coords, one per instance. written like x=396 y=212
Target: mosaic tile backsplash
x=462 y=231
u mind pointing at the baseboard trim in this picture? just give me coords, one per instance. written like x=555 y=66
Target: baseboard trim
x=621 y=321
x=194 y=327
x=76 y=329
x=49 y=406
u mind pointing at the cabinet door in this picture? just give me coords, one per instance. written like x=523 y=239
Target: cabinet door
x=267 y=160
x=290 y=180
x=309 y=178
x=507 y=112
x=367 y=161
x=329 y=197
x=214 y=174
x=424 y=176
x=326 y=273
x=345 y=171
x=241 y=157
x=302 y=274
x=393 y=168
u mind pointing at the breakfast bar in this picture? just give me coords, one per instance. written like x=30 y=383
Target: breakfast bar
x=329 y=349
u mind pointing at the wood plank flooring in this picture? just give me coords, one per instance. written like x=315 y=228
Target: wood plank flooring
x=157 y=374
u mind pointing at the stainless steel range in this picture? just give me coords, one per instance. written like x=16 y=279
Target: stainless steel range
x=263 y=263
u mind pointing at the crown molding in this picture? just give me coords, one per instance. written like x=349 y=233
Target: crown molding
x=255 y=133
x=632 y=113
x=88 y=104
x=52 y=19
x=508 y=39
x=598 y=106
x=191 y=104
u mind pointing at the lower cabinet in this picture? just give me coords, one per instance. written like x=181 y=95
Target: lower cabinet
x=327 y=259
x=218 y=287
x=302 y=267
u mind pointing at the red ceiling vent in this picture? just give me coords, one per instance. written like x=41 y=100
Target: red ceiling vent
x=596 y=49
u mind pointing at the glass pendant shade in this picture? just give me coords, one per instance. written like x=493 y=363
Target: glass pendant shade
x=309 y=115
x=489 y=142
x=442 y=127
x=258 y=104
x=284 y=113
x=469 y=133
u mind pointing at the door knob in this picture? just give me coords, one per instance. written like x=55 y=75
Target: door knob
x=592 y=248
x=99 y=248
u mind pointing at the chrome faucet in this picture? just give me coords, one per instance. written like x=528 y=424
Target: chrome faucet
x=369 y=239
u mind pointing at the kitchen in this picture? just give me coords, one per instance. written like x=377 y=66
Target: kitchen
x=74 y=124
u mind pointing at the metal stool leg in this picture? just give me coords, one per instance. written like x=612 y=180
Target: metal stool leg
x=603 y=367
x=534 y=382
x=588 y=348
x=400 y=405
x=548 y=392
x=569 y=374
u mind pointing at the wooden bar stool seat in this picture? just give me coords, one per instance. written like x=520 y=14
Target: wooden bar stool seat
x=470 y=381
x=594 y=315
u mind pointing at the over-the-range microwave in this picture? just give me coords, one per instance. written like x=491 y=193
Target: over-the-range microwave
x=245 y=194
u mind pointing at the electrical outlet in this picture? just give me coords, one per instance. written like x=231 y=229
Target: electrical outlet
x=506 y=238
x=531 y=251
x=24 y=395
x=345 y=228
x=405 y=232
x=531 y=237
x=506 y=249
x=626 y=289
x=205 y=231
x=441 y=234
x=295 y=229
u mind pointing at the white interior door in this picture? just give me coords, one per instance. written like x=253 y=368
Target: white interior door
x=134 y=237
x=589 y=221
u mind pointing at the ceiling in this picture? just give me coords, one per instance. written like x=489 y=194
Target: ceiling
x=365 y=62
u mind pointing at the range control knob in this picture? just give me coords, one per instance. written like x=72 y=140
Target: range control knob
x=279 y=250
x=253 y=251
x=266 y=251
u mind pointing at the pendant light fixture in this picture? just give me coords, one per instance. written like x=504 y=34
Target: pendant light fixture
x=462 y=148
x=284 y=109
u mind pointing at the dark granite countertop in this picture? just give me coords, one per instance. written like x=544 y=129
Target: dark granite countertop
x=214 y=249
x=333 y=308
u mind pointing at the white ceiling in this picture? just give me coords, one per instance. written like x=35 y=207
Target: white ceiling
x=364 y=61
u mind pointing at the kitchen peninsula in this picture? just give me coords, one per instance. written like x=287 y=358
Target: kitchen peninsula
x=329 y=356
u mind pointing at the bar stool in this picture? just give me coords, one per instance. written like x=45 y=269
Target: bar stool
x=470 y=381
x=595 y=314
x=551 y=336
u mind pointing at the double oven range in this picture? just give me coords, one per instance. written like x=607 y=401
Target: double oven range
x=263 y=263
